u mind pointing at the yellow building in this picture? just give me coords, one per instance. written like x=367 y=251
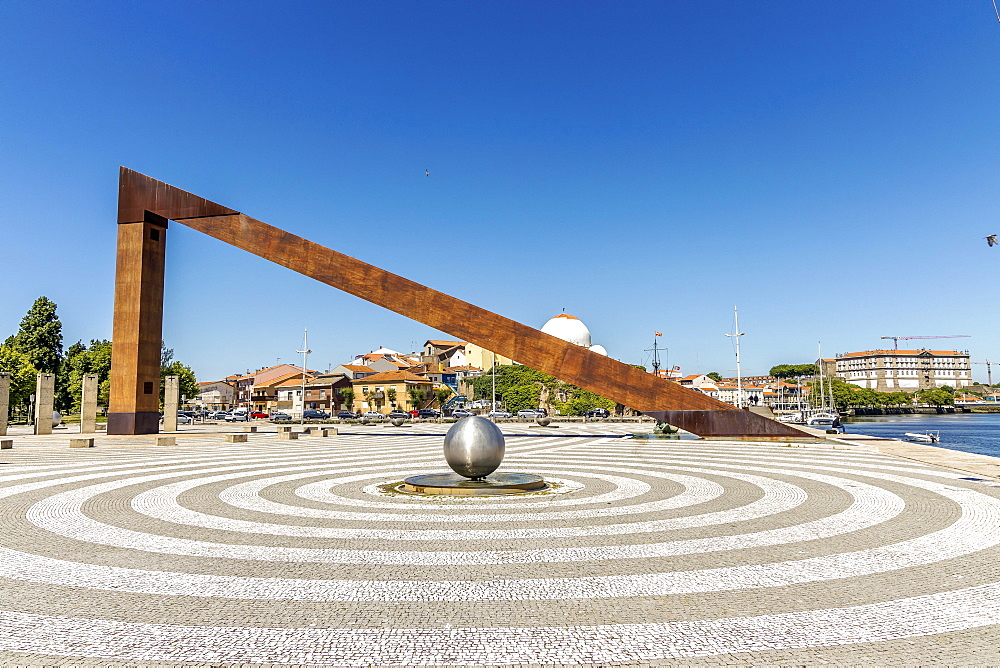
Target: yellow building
x=390 y=389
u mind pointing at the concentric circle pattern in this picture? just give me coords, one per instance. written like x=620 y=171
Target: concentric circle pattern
x=646 y=552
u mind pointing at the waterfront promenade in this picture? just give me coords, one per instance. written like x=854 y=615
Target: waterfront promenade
x=296 y=552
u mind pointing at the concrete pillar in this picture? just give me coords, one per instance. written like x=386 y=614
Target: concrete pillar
x=81 y=442
x=236 y=438
x=45 y=388
x=166 y=440
x=88 y=404
x=4 y=402
x=171 y=398
x=6 y=444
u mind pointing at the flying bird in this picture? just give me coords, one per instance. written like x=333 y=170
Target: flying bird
x=427 y=172
x=992 y=240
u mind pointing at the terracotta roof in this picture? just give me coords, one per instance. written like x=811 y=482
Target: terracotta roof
x=447 y=343
x=357 y=367
x=280 y=380
x=691 y=377
x=867 y=353
x=393 y=377
x=463 y=368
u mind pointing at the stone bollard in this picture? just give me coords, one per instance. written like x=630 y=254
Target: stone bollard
x=6 y=444
x=44 y=393
x=250 y=430
x=236 y=438
x=88 y=404
x=81 y=442
x=288 y=435
x=4 y=401
x=102 y=426
x=322 y=433
x=166 y=440
x=284 y=429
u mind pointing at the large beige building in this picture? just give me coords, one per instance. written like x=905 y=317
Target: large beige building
x=906 y=370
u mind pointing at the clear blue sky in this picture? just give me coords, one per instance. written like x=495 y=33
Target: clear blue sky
x=830 y=167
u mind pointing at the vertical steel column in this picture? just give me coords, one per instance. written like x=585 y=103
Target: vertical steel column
x=134 y=406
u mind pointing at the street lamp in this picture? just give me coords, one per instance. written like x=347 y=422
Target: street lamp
x=305 y=356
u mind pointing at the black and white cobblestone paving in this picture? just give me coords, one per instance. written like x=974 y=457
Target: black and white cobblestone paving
x=647 y=552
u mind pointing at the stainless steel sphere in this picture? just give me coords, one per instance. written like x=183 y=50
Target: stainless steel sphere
x=397 y=422
x=543 y=421
x=474 y=447
x=56 y=418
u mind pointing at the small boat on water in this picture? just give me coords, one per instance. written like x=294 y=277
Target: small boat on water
x=823 y=420
x=930 y=436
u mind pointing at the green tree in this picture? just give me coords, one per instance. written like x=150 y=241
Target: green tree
x=80 y=360
x=347 y=396
x=584 y=400
x=416 y=396
x=794 y=370
x=937 y=397
x=521 y=396
x=442 y=394
x=391 y=395
x=22 y=375
x=714 y=375
x=40 y=336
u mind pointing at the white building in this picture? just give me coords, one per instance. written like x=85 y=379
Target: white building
x=905 y=370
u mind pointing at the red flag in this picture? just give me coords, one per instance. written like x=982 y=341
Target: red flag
x=657 y=333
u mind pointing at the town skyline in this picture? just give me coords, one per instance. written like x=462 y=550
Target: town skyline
x=634 y=168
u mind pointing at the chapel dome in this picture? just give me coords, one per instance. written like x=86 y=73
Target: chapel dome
x=568 y=328
x=599 y=349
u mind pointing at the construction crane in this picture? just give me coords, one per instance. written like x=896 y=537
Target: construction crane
x=897 y=339
x=989 y=371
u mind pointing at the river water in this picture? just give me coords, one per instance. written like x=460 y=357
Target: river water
x=968 y=432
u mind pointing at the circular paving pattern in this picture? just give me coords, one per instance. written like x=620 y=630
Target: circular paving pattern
x=299 y=552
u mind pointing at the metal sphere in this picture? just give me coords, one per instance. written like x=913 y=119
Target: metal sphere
x=397 y=422
x=543 y=421
x=474 y=447
x=56 y=418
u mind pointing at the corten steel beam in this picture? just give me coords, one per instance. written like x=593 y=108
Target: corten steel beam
x=142 y=196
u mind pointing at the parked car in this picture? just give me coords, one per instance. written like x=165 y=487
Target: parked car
x=414 y=413
x=238 y=416
x=529 y=413
x=348 y=415
x=374 y=415
x=311 y=414
x=500 y=414
x=258 y=414
x=461 y=413
x=428 y=413
x=184 y=419
x=598 y=413
x=281 y=417
x=399 y=414
x=220 y=415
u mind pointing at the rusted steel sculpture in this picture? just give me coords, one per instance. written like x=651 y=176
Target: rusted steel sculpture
x=144 y=207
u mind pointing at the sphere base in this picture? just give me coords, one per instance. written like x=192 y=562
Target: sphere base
x=452 y=484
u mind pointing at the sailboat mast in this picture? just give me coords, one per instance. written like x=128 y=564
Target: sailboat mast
x=822 y=390
x=739 y=372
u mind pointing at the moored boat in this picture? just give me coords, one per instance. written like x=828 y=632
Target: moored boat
x=929 y=436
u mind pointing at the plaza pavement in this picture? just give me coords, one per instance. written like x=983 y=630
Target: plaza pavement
x=296 y=552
